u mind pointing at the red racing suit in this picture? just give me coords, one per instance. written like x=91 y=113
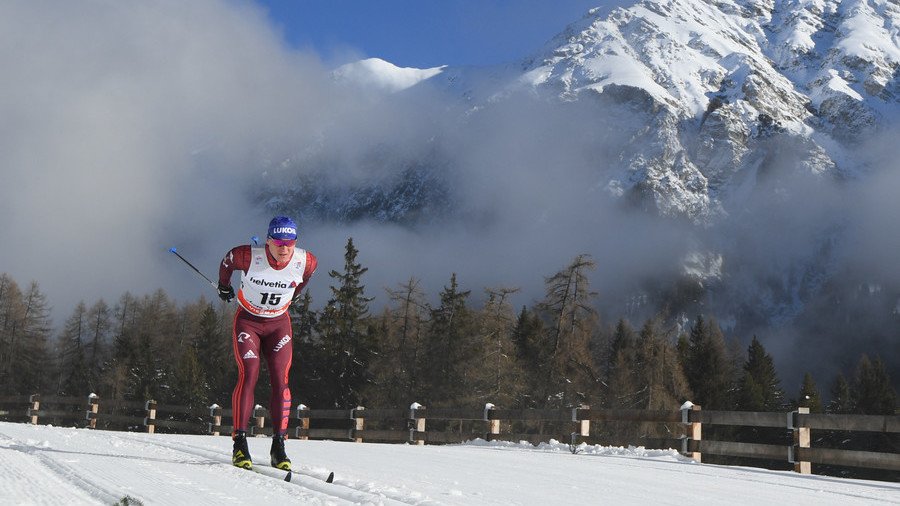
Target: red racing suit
x=262 y=326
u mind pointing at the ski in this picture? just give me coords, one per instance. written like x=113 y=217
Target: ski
x=272 y=472
x=328 y=479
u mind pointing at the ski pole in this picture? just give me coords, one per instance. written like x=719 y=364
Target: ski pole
x=173 y=250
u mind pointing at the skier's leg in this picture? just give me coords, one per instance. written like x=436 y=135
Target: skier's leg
x=245 y=341
x=278 y=349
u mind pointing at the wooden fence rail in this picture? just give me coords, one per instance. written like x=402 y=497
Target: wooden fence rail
x=570 y=425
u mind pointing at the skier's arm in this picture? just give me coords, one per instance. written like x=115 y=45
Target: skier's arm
x=238 y=258
x=311 y=264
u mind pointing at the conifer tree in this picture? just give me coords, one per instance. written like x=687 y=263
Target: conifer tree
x=190 y=386
x=348 y=345
x=124 y=316
x=30 y=343
x=308 y=361
x=149 y=346
x=872 y=388
x=841 y=398
x=449 y=345
x=571 y=376
x=99 y=321
x=683 y=347
x=11 y=307
x=403 y=325
x=658 y=369
x=74 y=377
x=621 y=376
x=527 y=336
x=211 y=347
x=810 y=396
x=499 y=374
x=759 y=389
x=708 y=369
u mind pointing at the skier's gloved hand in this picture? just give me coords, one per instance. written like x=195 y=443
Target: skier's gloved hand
x=226 y=292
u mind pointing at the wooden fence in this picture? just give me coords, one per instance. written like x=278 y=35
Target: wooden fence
x=454 y=425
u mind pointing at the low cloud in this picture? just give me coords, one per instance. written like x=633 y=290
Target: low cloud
x=132 y=128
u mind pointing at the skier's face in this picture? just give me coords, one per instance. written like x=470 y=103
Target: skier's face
x=281 y=250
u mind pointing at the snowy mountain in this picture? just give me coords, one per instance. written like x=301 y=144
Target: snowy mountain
x=375 y=74
x=745 y=125
x=718 y=80
x=54 y=465
x=714 y=90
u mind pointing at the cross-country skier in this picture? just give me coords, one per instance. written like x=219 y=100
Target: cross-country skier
x=271 y=278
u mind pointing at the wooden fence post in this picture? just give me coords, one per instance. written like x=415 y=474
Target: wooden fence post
x=215 y=424
x=689 y=413
x=303 y=415
x=582 y=425
x=150 y=419
x=35 y=400
x=493 y=426
x=259 y=416
x=417 y=423
x=801 y=440
x=359 y=423
x=92 y=410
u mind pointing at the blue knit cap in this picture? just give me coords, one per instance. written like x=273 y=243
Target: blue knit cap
x=282 y=228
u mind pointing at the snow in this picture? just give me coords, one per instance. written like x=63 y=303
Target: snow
x=52 y=465
x=865 y=36
x=377 y=74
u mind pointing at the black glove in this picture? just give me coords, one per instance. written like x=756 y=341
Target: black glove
x=226 y=293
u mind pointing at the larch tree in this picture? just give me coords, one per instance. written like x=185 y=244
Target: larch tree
x=99 y=349
x=499 y=373
x=11 y=308
x=31 y=343
x=399 y=371
x=570 y=373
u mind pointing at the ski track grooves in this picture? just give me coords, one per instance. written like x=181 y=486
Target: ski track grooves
x=307 y=479
x=65 y=473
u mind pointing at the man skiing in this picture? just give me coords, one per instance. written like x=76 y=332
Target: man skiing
x=271 y=279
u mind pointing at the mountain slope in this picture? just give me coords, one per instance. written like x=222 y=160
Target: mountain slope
x=723 y=79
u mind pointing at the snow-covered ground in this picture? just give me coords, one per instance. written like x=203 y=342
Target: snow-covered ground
x=52 y=465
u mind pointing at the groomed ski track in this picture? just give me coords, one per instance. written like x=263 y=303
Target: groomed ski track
x=53 y=465
x=159 y=469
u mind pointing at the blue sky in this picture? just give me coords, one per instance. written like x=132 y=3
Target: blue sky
x=424 y=33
